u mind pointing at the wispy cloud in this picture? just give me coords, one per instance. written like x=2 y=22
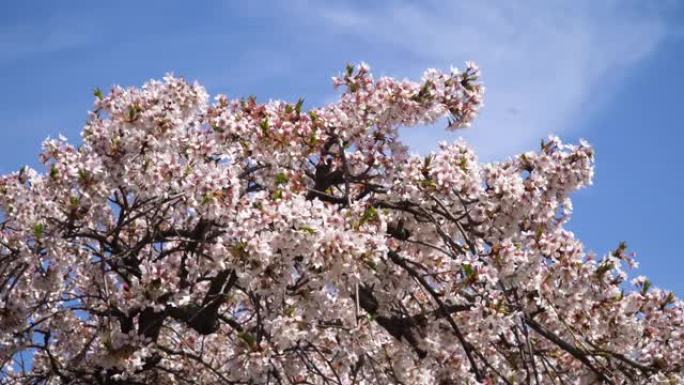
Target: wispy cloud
x=59 y=32
x=546 y=63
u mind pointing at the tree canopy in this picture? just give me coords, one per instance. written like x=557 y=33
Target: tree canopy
x=189 y=241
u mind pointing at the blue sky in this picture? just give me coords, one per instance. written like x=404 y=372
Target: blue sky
x=607 y=71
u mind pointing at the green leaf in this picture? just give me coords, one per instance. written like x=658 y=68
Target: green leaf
x=53 y=172
x=463 y=164
x=313 y=140
x=468 y=270
x=669 y=300
x=427 y=161
x=207 y=198
x=428 y=183
x=290 y=311
x=371 y=264
x=133 y=112
x=619 y=252
x=38 y=230
x=349 y=69
x=307 y=229
x=264 y=126
x=281 y=178
x=645 y=287
x=74 y=201
x=423 y=92
x=248 y=338
x=83 y=176
x=371 y=214
x=239 y=250
x=604 y=268
x=298 y=106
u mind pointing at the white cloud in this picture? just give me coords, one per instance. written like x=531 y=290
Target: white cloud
x=546 y=64
x=58 y=32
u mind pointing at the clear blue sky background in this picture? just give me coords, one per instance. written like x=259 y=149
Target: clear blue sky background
x=607 y=71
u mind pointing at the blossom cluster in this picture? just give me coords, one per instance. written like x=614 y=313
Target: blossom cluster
x=190 y=241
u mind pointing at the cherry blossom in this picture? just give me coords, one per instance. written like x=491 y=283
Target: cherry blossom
x=227 y=241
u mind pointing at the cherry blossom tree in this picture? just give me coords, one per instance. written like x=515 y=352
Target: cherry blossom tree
x=185 y=241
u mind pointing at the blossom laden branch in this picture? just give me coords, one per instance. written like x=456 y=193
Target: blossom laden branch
x=189 y=241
